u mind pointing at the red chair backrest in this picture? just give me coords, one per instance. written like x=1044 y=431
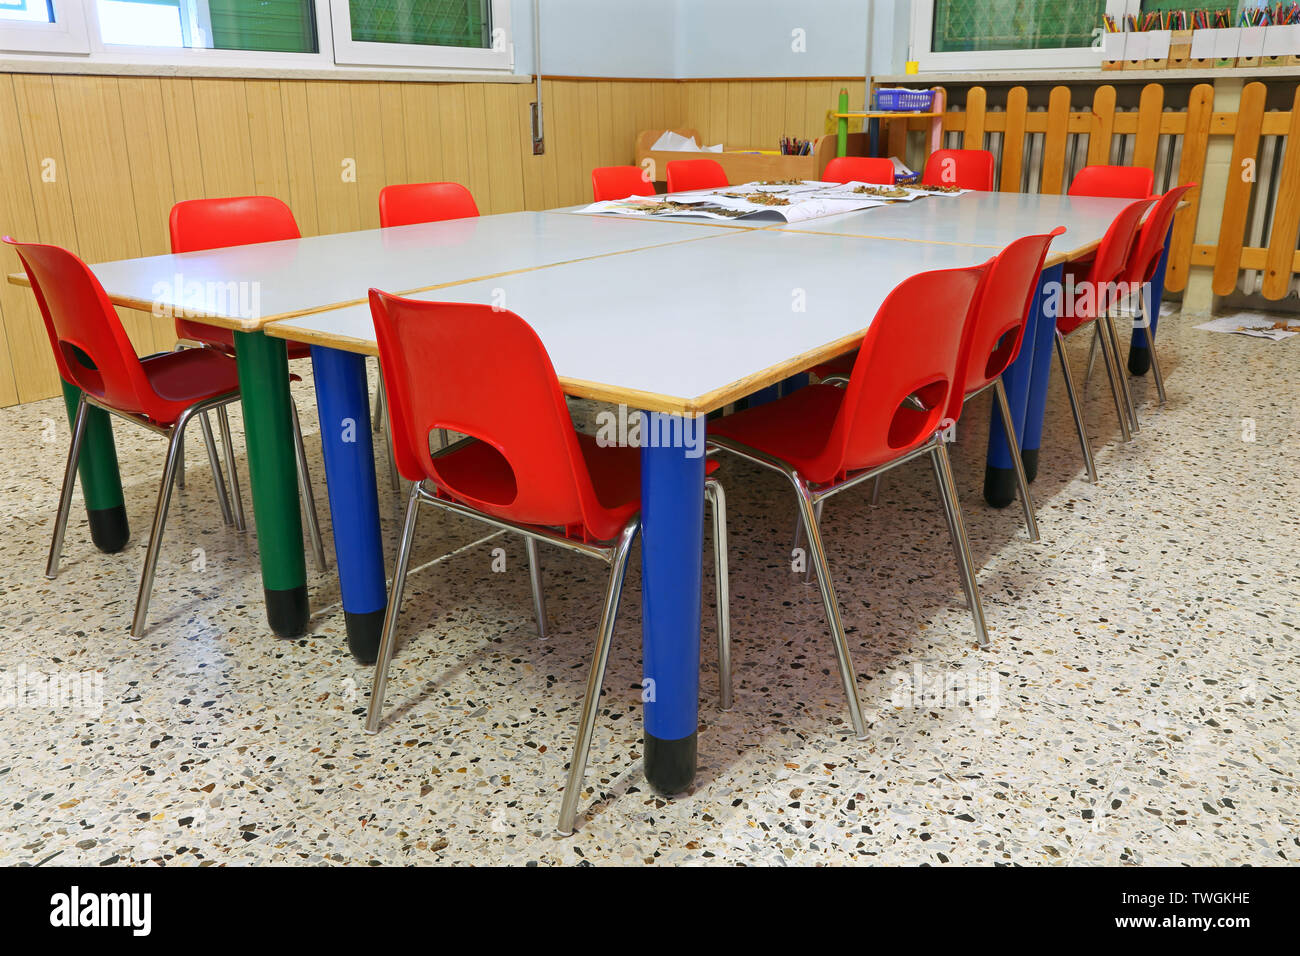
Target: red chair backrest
x=198 y=224
x=1107 y=268
x=443 y=364
x=410 y=203
x=1150 y=242
x=619 y=182
x=860 y=169
x=997 y=322
x=687 y=174
x=1118 y=182
x=966 y=168
x=80 y=319
x=911 y=347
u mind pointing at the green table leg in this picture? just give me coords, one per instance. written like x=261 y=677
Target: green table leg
x=842 y=126
x=101 y=485
x=264 y=391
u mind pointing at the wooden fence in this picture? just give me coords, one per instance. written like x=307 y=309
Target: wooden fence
x=1191 y=131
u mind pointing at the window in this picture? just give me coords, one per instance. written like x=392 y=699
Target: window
x=56 y=26
x=466 y=34
x=1010 y=34
x=269 y=26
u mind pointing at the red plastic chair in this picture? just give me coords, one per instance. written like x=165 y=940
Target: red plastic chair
x=1142 y=264
x=163 y=393
x=522 y=467
x=966 y=168
x=825 y=439
x=409 y=203
x=686 y=175
x=1118 y=182
x=196 y=225
x=619 y=182
x=1093 y=301
x=859 y=169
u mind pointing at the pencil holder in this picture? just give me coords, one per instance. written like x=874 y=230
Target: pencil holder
x=1180 y=49
x=1281 y=45
x=1135 y=50
x=1112 y=51
x=1157 y=51
x=1250 y=52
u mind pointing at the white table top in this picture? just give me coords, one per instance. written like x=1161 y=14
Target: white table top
x=685 y=328
x=296 y=276
x=979 y=218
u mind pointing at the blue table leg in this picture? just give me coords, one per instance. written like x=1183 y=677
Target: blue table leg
x=873 y=137
x=1139 y=356
x=1026 y=384
x=343 y=401
x=672 y=537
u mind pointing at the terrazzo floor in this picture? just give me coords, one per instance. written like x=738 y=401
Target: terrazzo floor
x=1138 y=704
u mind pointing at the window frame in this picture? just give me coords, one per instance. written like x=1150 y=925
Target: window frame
x=1056 y=58
x=67 y=34
x=349 y=52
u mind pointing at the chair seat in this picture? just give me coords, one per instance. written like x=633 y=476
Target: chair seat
x=183 y=378
x=479 y=471
x=840 y=365
x=224 y=339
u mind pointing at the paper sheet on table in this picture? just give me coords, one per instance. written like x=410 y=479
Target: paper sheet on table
x=849 y=191
x=721 y=207
x=1260 y=327
x=673 y=142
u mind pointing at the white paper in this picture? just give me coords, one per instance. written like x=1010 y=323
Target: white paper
x=1158 y=44
x=1252 y=41
x=1258 y=326
x=671 y=142
x=1135 y=47
x=1282 y=40
x=718 y=206
x=1226 y=43
x=1113 y=46
x=1203 y=44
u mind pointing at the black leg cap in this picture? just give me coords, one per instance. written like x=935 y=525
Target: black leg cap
x=1029 y=458
x=364 y=631
x=999 y=486
x=670 y=764
x=287 y=611
x=109 y=528
x=1139 y=359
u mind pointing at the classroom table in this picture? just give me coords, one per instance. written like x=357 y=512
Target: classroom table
x=245 y=287
x=744 y=310
x=991 y=220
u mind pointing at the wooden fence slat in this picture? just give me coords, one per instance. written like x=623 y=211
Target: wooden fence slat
x=1103 y=124
x=1196 y=139
x=1150 y=109
x=1013 y=142
x=1058 y=121
x=975 y=110
x=1286 y=215
x=1236 y=200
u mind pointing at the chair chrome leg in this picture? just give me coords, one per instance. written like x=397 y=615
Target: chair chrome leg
x=1122 y=368
x=1075 y=409
x=389 y=638
x=717 y=499
x=818 y=553
x=1013 y=443
x=595 y=678
x=236 y=501
x=808 y=565
x=961 y=544
x=1113 y=375
x=305 y=490
x=1155 y=362
x=69 y=482
x=174 y=449
x=1092 y=356
x=535 y=579
x=381 y=407
x=876 y=482
x=215 y=464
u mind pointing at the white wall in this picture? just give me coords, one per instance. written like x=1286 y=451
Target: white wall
x=713 y=38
